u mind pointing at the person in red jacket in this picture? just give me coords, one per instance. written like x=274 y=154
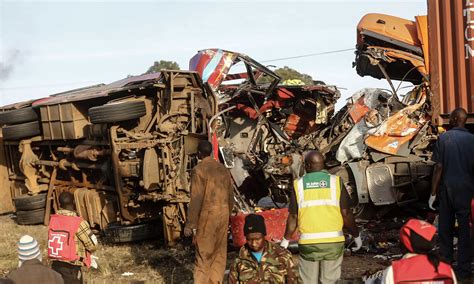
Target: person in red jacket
x=421 y=264
x=70 y=241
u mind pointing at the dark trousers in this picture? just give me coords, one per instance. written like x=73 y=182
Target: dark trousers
x=454 y=205
x=70 y=273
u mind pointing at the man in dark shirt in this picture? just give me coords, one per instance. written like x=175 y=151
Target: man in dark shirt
x=453 y=183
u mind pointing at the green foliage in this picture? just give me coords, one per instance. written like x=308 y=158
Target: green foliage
x=287 y=73
x=162 y=64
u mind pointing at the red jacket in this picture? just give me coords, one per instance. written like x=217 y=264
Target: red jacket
x=418 y=269
x=61 y=244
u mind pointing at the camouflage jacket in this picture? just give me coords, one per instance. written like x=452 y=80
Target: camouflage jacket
x=276 y=266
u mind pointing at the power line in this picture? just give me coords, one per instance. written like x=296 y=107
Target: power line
x=263 y=61
x=309 y=55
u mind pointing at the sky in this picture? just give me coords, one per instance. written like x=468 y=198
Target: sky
x=48 y=47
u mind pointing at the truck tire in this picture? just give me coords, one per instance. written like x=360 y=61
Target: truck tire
x=27 y=202
x=17 y=116
x=116 y=233
x=364 y=211
x=30 y=217
x=19 y=131
x=115 y=112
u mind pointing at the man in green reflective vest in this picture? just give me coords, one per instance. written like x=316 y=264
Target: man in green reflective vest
x=319 y=208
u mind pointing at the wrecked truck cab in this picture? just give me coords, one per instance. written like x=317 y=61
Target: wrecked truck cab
x=260 y=121
x=386 y=150
x=380 y=142
x=125 y=150
x=216 y=67
x=390 y=47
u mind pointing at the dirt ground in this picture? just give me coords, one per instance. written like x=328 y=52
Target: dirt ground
x=145 y=262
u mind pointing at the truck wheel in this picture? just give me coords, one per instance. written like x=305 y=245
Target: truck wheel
x=17 y=116
x=19 y=131
x=364 y=211
x=27 y=202
x=115 y=112
x=30 y=217
x=116 y=233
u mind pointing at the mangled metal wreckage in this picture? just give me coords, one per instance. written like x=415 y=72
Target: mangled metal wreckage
x=382 y=139
x=125 y=150
x=258 y=124
x=379 y=143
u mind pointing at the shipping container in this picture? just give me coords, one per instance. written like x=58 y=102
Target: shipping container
x=451 y=57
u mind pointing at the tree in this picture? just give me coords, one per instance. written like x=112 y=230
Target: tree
x=162 y=64
x=287 y=73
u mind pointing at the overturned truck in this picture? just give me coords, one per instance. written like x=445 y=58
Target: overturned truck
x=124 y=150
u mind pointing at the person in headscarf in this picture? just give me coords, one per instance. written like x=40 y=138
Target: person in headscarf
x=421 y=264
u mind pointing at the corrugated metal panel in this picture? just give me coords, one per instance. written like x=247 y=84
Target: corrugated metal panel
x=451 y=37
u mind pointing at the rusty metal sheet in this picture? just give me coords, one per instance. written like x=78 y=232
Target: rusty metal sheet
x=151 y=172
x=358 y=110
x=96 y=207
x=451 y=37
x=396 y=131
x=388 y=144
x=96 y=91
x=17 y=105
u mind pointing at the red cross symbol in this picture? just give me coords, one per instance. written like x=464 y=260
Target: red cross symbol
x=55 y=244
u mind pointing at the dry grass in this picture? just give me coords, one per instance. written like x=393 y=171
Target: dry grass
x=10 y=234
x=148 y=261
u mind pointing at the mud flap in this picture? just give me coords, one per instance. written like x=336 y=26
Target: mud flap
x=171 y=225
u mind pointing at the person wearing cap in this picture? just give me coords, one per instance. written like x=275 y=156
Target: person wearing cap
x=319 y=208
x=69 y=257
x=208 y=215
x=261 y=261
x=30 y=267
x=420 y=264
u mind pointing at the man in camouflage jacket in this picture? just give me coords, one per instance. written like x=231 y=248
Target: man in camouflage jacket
x=261 y=261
